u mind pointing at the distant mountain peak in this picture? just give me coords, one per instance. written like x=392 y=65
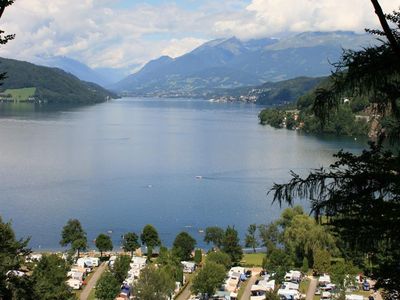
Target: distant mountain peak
x=231 y=62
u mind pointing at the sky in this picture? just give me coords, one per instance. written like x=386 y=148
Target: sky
x=127 y=33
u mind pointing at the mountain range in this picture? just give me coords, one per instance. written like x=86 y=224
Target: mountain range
x=231 y=63
x=102 y=76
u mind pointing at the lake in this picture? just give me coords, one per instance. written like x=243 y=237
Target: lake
x=178 y=164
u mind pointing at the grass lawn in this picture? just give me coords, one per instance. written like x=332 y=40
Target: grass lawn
x=363 y=293
x=252 y=260
x=21 y=94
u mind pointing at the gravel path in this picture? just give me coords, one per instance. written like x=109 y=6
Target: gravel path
x=92 y=282
x=311 y=289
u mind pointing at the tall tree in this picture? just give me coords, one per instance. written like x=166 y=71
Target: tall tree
x=208 y=279
x=150 y=236
x=12 y=254
x=322 y=261
x=121 y=267
x=251 y=238
x=269 y=235
x=170 y=263
x=103 y=243
x=220 y=258
x=130 y=242
x=154 y=284
x=183 y=245
x=107 y=287
x=215 y=235
x=231 y=246
x=359 y=195
x=74 y=235
x=304 y=236
x=49 y=277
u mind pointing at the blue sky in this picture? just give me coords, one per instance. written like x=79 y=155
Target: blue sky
x=127 y=33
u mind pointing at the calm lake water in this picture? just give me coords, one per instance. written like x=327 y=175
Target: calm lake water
x=126 y=163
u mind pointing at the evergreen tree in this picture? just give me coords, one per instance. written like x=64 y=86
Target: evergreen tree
x=121 y=267
x=231 y=246
x=12 y=254
x=49 y=279
x=107 y=287
x=4 y=39
x=359 y=195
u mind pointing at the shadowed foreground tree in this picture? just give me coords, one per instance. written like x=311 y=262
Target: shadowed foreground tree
x=359 y=195
x=49 y=277
x=12 y=254
x=4 y=38
x=107 y=287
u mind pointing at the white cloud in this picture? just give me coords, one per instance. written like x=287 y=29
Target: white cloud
x=268 y=17
x=101 y=35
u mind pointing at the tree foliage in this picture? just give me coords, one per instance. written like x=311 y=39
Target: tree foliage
x=74 y=235
x=154 y=284
x=220 y=258
x=171 y=264
x=49 y=279
x=231 y=246
x=12 y=253
x=322 y=261
x=4 y=38
x=150 y=236
x=130 y=242
x=251 y=237
x=107 y=287
x=215 y=235
x=359 y=195
x=269 y=235
x=183 y=245
x=198 y=256
x=208 y=279
x=121 y=267
x=103 y=243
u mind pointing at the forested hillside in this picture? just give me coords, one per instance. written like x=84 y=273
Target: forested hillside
x=52 y=85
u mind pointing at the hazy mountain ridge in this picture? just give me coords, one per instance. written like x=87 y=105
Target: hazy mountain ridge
x=52 y=84
x=232 y=63
x=100 y=76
